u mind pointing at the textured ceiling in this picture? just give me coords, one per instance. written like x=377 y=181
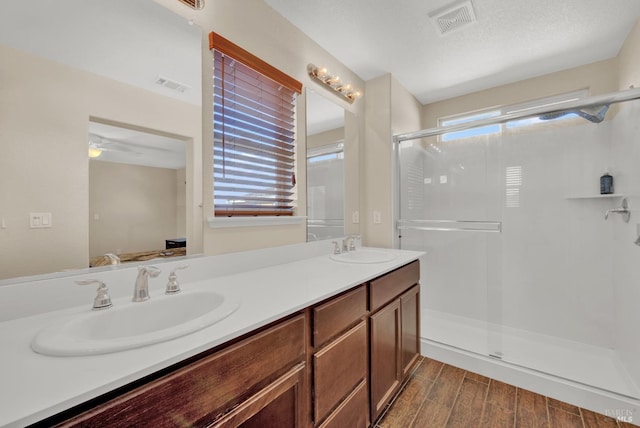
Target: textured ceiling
x=511 y=40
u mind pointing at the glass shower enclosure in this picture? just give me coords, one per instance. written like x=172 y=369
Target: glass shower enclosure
x=526 y=261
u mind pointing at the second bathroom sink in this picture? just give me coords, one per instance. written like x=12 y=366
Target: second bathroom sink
x=364 y=256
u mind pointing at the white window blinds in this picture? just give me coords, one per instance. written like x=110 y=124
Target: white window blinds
x=254 y=138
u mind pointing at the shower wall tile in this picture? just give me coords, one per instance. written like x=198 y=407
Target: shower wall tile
x=626 y=265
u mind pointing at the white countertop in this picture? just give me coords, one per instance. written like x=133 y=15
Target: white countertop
x=35 y=386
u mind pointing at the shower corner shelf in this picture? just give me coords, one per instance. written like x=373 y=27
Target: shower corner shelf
x=596 y=196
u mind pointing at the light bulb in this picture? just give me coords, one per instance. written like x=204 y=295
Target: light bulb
x=94 y=152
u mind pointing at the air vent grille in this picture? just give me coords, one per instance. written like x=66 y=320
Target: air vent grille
x=453 y=17
x=172 y=84
x=196 y=4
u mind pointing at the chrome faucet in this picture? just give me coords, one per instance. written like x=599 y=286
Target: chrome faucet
x=141 y=290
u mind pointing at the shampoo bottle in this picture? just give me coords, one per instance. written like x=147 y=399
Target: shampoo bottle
x=606 y=184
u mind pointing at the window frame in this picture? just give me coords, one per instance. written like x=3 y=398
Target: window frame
x=221 y=48
x=499 y=128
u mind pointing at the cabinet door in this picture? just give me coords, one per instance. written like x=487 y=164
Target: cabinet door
x=279 y=405
x=410 y=347
x=386 y=370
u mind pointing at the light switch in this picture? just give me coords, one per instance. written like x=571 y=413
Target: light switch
x=40 y=220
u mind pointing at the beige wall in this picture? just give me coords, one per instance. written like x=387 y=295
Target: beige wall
x=268 y=35
x=45 y=109
x=629 y=60
x=132 y=208
x=390 y=109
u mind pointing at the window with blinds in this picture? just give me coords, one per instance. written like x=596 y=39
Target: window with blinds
x=254 y=134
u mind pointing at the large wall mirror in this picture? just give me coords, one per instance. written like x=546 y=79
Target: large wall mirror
x=325 y=168
x=121 y=75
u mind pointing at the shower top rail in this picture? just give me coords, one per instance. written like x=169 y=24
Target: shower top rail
x=450 y=225
x=597 y=100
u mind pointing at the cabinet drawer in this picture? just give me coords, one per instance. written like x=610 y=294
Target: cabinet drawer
x=338 y=368
x=335 y=316
x=200 y=392
x=384 y=289
x=353 y=412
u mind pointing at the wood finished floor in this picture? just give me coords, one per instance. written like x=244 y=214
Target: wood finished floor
x=440 y=395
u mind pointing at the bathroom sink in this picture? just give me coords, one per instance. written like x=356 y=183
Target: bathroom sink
x=363 y=256
x=130 y=325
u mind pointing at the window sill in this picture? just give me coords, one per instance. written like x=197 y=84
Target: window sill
x=224 y=222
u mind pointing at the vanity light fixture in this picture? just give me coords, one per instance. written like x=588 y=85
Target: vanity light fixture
x=333 y=83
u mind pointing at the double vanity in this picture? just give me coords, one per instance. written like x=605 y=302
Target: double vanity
x=287 y=336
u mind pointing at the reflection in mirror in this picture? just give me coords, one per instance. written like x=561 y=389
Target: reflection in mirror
x=61 y=63
x=325 y=168
x=137 y=195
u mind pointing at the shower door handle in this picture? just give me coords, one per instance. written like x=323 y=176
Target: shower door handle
x=450 y=225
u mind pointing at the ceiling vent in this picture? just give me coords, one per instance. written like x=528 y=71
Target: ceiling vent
x=196 y=4
x=172 y=84
x=453 y=16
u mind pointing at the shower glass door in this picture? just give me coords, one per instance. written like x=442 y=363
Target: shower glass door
x=450 y=207
x=521 y=263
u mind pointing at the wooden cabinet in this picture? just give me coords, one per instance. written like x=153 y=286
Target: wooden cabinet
x=394 y=333
x=340 y=361
x=254 y=379
x=337 y=364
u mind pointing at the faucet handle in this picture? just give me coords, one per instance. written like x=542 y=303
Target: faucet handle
x=102 y=300
x=173 y=286
x=352 y=241
x=336 y=247
x=152 y=271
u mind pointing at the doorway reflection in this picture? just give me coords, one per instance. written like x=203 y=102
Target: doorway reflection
x=137 y=195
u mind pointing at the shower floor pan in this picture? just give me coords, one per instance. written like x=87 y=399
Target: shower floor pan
x=589 y=365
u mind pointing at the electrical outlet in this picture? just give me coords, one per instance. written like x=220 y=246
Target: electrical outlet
x=355 y=217
x=377 y=217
